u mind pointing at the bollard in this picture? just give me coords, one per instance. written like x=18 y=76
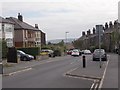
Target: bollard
x=84 y=62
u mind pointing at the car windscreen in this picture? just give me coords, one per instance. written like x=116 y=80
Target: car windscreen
x=21 y=52
x=99 y=51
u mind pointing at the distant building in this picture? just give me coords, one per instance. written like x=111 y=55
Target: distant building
x=109 y=38
x=7 y=31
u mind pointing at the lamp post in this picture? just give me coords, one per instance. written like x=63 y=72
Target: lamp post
x=66 y=36
x=66 y=41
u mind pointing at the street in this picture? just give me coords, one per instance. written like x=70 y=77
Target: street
x=52 y=74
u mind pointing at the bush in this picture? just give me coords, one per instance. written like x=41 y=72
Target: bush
x=31 y=50
x=3 y=46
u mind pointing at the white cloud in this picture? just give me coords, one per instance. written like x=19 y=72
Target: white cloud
x=55 y=17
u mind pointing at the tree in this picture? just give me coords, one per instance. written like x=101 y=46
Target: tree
x=115 y=38
x=110 y=24
x=61 y=43
x=49 y=43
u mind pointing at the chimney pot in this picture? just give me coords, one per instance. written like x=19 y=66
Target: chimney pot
x=83 y=33
x=20 y=17
x=36 y=26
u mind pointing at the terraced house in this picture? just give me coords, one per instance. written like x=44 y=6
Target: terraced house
x=110 y=39
x=25 y=34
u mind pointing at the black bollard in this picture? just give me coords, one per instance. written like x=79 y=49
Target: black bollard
x=84 y=62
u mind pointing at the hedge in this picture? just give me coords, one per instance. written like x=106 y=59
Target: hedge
x=31 y=50
x=3 y=46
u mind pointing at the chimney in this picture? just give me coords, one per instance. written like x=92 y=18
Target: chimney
x=36 y=26
x=115 y=24
x=20 y=17
x=106 y=25
x=83 y=33
x=110 y=24
x=88 y=32
x=94 y=31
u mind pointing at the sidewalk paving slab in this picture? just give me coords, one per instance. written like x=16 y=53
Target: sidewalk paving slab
x=91 y=70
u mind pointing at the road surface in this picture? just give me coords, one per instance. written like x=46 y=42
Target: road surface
x=48 y=75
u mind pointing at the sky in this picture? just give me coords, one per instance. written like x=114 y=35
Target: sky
x=55 y=17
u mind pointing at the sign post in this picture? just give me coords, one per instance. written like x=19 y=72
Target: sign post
x=99 y=29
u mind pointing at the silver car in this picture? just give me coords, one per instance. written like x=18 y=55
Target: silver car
x=97 y=53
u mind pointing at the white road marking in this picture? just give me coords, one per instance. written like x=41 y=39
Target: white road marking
x=29 y=67
x=96 y=86
x=71 y=70
x=93 y=85
x=101 y=83
x=78 y=77
x=19 y=71
x=42 y=63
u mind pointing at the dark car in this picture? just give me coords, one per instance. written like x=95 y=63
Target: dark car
x=23 y=56
x=97 y=53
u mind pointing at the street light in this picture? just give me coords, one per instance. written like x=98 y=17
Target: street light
x=66 y=41
x=66 y=36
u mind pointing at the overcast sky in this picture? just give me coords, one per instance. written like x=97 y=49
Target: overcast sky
x=55 y=17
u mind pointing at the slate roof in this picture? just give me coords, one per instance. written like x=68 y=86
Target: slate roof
x=21 y=25
x=2 y=20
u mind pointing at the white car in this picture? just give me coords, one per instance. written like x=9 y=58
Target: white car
x=75 y=52
x=87 y=52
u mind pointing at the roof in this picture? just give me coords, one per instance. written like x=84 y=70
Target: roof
x=86 y=37
x=2 y=20
x=108 y=31
x=21 y=25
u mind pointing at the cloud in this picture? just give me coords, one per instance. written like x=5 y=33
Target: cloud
x=56 y=17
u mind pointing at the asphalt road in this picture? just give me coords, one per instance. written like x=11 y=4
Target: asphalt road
x=48 y=75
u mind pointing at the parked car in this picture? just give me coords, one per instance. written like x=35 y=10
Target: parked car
x=57 y=53
x=47 y=52
x=97 y=53
x=23 y=56
x=75 y=52
x=87 y=52
x=69 y=52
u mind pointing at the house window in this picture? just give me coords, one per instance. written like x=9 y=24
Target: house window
x=9 y=42
x=8 y=29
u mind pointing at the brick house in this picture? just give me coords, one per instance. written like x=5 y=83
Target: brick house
x=25 y=34
x=43 y=38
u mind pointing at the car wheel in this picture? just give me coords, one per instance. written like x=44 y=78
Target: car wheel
x=24 y=58
x=93 y=59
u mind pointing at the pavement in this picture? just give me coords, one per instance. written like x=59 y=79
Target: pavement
x=106 y=76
